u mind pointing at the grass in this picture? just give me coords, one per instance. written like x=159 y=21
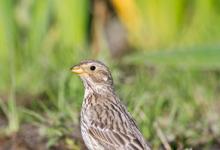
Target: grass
x=181 y=101
x=13 y=117
x=204 y=57
x=176 y=101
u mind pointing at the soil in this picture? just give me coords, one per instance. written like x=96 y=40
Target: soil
x=28 y=138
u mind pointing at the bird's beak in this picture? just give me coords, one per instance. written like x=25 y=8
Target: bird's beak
x=77 y=70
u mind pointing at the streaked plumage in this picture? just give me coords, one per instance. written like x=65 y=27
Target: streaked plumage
x=105 y=122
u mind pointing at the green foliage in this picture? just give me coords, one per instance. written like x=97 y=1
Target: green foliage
x=174 y=23
x=204 y=57
x=175 y=88
x=13 y=115
x=180 y=100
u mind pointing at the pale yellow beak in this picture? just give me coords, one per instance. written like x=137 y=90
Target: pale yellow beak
x=77 y=70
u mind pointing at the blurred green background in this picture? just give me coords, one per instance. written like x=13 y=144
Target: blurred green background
x=164 y=56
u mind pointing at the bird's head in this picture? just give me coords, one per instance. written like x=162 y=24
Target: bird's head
x=94 y=74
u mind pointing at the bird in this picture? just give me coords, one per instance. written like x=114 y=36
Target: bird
x=104 y=121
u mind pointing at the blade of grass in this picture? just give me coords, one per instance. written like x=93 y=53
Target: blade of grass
x=7 y=42
x=38 y=28
x=72 y=20
x=205 y=57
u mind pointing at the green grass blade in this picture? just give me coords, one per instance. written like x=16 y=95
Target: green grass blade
x=205 y=57
x=72 y=19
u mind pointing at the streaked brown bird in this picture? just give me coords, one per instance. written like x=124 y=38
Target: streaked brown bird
x=105 y=122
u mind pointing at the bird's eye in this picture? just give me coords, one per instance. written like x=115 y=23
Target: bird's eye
x=92 y=68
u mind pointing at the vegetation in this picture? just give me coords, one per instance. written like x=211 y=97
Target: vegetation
x=169 y=80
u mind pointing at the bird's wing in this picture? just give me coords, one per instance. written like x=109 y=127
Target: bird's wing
x=115 y=139
x=114 y=127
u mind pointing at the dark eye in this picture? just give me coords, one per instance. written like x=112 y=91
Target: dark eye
x=92 y=68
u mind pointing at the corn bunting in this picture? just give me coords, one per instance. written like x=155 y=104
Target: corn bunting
x=105 y=122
